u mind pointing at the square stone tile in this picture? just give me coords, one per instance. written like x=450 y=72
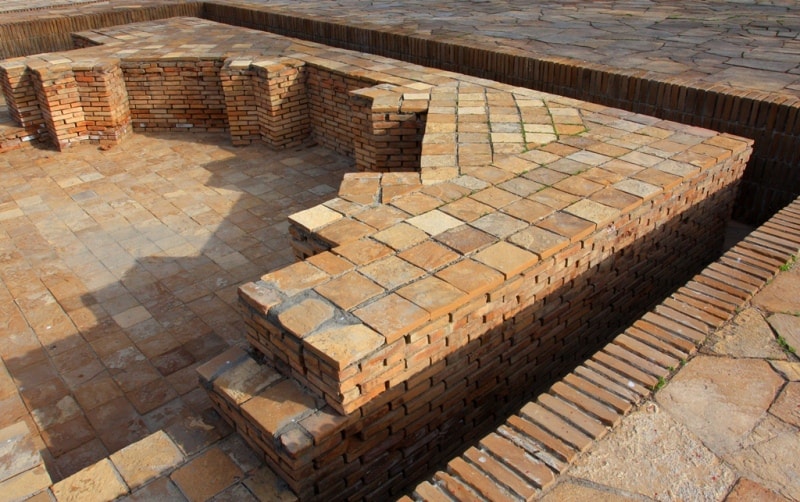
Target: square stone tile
x=434 y=222
x=638 y=188
x=521 y=186
x=392 y=272
x=528 y=210
x=392 y=316
x=98 y=482
x=471 y=277
x=467 y=209
x=434 y=295
x=567 y=225
x=578 y=185
x=659 y=178
x=363 y=252
x=465 y=239
x=342 y=346
x=401 y=236
x=349 y=290
x=540 y=241
x=495 y=197
x=554 y=198
x=147 y=459
x=344 y=231
x=330 y=263
x=618 y=199
x=296 y=277
x=278 y=405
x=303 y=317
x=381 y=217
x=429 y=256
x=207 y=475
x=507 y=258
x=592 y=211
x=499 y=224
x=416 y=203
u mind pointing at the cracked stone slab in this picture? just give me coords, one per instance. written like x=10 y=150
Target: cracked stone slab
x=748 y=335
x=781 y=294
x=788 y=327
x=769 y=456
x=720 y=399
x=662 y=460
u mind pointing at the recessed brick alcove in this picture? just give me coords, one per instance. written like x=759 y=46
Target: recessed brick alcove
x=502 y=236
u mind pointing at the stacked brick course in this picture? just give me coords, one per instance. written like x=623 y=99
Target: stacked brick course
x=104 y=100
x=485 y=310
x=165 y=95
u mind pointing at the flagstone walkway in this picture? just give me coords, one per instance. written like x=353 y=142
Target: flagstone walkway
x=727 y=425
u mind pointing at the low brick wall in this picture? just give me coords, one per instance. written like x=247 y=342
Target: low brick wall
x=169 y=95
x=52 y=32
x=773 y=121
x=86 y=97
x=476 y=327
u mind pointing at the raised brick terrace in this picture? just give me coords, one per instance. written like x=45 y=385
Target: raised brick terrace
x=492 y=238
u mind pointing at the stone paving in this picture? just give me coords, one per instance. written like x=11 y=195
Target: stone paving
x=727 y=425
x=119 y=278
x=754 y=45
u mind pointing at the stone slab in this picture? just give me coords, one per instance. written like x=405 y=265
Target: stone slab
x=747 y=335
x=719 y=399
x=663 y=460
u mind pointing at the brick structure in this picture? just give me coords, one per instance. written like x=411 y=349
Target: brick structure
x=176 y=94
x=431 y=303
x=478 y=323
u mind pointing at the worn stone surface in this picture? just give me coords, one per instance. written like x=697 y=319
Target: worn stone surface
x=18 y=452
x=747 y=335
x=787 y=406
x=147 y=459
x=781 y=294
x=25 y=484
x=769 y=456
x=206 y=475
x=747 y=491
x=787 y=327
x=577 y=489
x=662 y=460
x=98 y=482
x=719 y=399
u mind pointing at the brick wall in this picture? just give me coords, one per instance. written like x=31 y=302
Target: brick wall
x=104 y=101
x=393 y=411
x=329 y=105
x=21 y=101
x=59 y=100
x=770 y=182
x=53 y=33
x=167 y=95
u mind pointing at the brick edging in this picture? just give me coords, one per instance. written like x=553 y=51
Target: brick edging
x=534 y=446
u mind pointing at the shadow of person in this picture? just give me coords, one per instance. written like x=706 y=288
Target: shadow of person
x=121 y=274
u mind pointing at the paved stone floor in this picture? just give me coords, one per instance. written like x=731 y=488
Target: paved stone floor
x=727 y=425
x=119 y=275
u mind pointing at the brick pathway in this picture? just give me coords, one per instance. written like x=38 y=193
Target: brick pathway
x=119 y=278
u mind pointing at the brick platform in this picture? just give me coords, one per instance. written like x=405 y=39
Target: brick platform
x=504 y=217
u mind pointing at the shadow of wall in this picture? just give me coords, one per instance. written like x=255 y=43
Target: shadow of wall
x=119 y=278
